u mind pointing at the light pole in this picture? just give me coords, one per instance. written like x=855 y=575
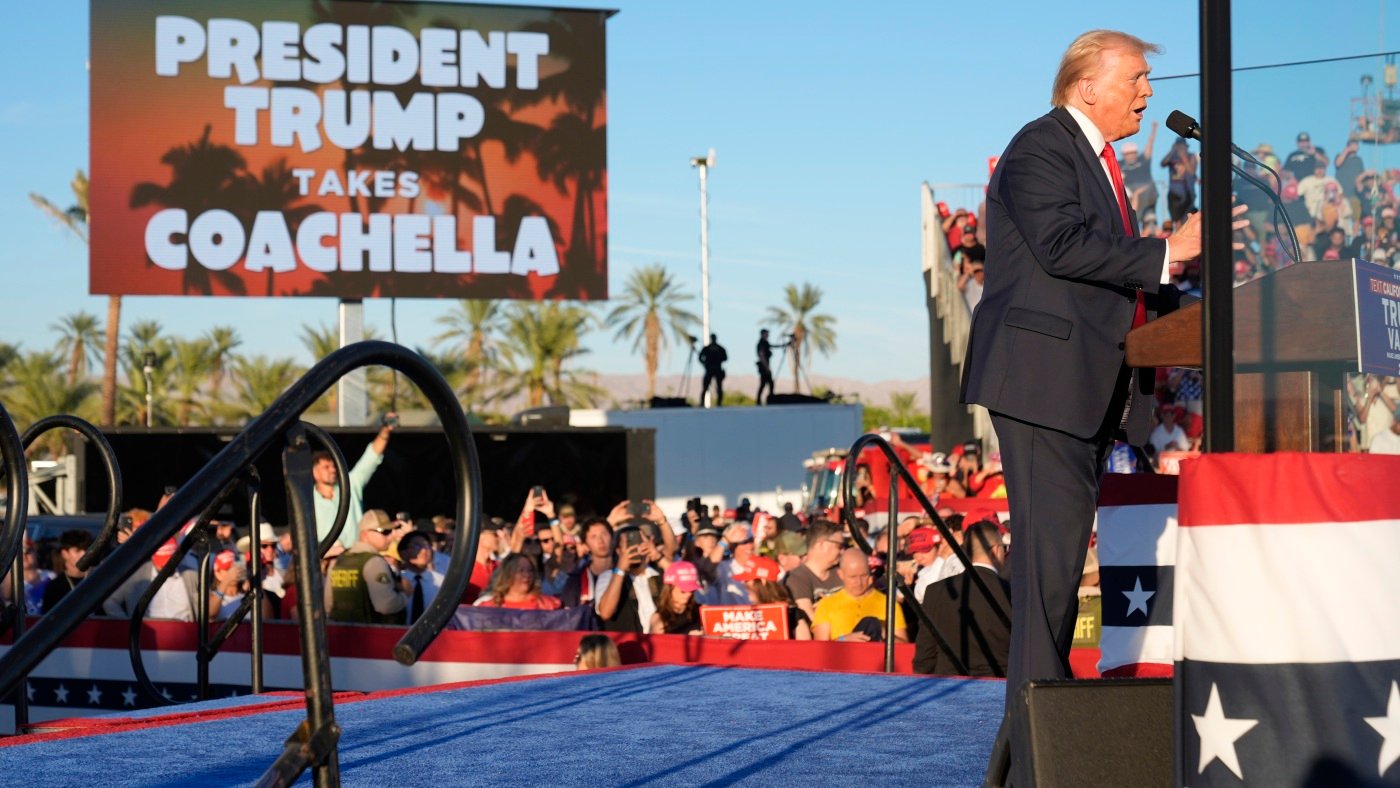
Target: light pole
x=704 y=163
x=147 y=369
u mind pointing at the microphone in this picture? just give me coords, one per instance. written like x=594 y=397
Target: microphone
x=1186 y=126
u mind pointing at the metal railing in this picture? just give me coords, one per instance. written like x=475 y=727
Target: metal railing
x=94 y=551
x=198 y=540
x=16 y=471
x=314 y=743
x=893 y=582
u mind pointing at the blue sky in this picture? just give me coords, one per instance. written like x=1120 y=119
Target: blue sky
x=826 y=118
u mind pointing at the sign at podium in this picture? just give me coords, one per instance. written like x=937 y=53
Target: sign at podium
x=1377 y=318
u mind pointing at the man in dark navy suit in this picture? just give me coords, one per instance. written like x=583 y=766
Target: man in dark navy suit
x=1067 y=276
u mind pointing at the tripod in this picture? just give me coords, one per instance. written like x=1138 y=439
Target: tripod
x=684 y=387
x=801 y=373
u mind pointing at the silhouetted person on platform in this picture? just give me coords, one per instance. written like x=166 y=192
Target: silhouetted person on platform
x=712 y=358
x=765 y=367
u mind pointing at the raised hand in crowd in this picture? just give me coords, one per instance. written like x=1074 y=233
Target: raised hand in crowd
x=619 y=514
x=536 y=500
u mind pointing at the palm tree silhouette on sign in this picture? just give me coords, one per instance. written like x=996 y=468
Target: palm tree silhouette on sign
x=573 y=148
x=203 y=176
x=797 y=316
x=648 y=311
x=275 y=190
x=74 y=218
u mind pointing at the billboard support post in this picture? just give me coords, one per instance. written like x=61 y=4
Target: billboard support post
x=352 y=391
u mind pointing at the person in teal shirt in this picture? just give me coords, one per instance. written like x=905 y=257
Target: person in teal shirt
x=328 y=487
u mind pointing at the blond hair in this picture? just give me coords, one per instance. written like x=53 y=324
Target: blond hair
x=597 y=651
x=1082 y=59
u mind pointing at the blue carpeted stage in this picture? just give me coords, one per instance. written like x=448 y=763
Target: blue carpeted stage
x=652 y=724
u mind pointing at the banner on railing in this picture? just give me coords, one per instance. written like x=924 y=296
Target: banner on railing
x=347 y=149
x=745 y=622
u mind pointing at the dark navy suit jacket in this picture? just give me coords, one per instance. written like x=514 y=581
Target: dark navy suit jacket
x=1062 y=279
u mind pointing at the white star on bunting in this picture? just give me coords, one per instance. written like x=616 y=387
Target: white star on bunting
x=1389 y=729
x=61 y=694
x=129 y=697
x=29 y=691
x=1219 y=733
x=1137 y=598
x=94 y=696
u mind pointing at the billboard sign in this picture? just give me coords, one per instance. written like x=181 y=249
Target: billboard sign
x=347 y=149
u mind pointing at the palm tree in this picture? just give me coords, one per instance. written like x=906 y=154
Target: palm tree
x=650 y=298
x=78 y=341
x=796 y=317
x=259 y=381
x=222 y=340
x=904 y=412
x=8 y=353
x=540 y=337
x=193 y=362
x=320 y=340
x=74 y=218
x=473 y=326
x=39 y=388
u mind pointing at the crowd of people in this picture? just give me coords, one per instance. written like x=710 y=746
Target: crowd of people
x=1340 y=209
x=631 y=569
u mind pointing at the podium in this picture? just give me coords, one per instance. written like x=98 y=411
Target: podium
x=1297 y=332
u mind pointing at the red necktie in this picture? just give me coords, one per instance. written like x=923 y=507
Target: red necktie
x=1116 y=175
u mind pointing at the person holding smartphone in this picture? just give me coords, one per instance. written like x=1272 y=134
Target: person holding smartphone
x=536 y=501
x=627 y=597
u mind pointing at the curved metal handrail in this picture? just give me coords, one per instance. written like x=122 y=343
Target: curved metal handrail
x=198 y=534
x=210 y=649
x=12 y=538
x=109 y=461
x=848 y=515
x=342 y=472
x=109 y=464
x=16 y=471
x=278 y=424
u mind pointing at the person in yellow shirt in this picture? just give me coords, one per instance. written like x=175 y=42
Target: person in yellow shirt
x=837 y=614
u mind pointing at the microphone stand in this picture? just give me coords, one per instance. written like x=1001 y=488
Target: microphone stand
x=1296 y=251
x=1186 y=126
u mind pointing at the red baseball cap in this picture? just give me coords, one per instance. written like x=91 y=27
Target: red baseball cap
x=759 y=568
x=223 y=561
x=922 y=540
